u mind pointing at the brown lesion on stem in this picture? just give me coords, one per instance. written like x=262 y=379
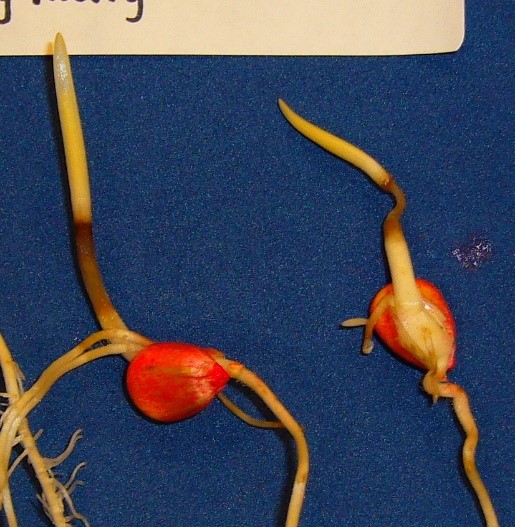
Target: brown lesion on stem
x=104 y=309
x=399 y=260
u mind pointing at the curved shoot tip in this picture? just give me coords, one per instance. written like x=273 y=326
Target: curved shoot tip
x=282 y=105
x=337 y=146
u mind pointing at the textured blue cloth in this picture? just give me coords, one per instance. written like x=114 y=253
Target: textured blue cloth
x=216 y=223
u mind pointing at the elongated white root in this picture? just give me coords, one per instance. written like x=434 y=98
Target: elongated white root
x=438 y=388
x=15 y=430
x=240 y=373
x=56 y=496
x=52 y=496
x=245 y=417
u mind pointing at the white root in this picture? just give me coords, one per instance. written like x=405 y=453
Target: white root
x=15 y=430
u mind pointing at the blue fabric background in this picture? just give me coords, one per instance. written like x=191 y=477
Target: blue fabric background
x=216 y=223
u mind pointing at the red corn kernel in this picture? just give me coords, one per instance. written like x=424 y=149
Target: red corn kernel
x=387 y=332
x=173 y=381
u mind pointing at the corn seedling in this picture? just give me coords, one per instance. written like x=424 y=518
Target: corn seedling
x=410 y=315
x=167 y=382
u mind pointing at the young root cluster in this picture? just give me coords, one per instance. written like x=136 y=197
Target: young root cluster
x=18 y=444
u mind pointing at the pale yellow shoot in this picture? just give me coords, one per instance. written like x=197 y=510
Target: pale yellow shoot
x=337 y=146
x=419 y=328
x=78 y=177
x=399 y=260
x=71 y=128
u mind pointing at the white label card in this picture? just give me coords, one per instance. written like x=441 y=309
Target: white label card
x=233 y=27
